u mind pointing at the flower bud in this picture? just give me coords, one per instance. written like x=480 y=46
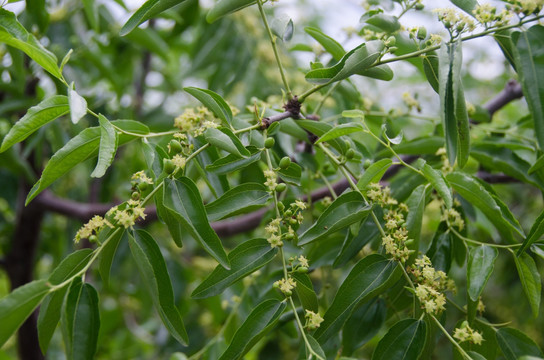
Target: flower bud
x=350 y=154
x=421 y=33
x=391 y=41
x=135 y=195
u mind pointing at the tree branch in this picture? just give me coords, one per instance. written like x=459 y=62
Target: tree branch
x=512 y=91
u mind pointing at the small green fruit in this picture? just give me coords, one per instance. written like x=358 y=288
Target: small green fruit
x=281 y=187
x=135 y=195
x=269 y=143
x=169 y=166
x=93 y=239
x=302 y=269
x=420 y=6
x=367 y=164
x=421 y=33
x=175 y=147
x=350 y=154
x=143 y=186
x=285 y=162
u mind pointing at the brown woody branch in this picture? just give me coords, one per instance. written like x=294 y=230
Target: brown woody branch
x=512 y=91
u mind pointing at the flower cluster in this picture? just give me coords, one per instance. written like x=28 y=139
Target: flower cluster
x=127 y=217
x=446 y=166
x=455 y=21
x=411 y=102
x=274 y=233
x=291 y=218
x=286 y=285
x=271 y=179
x=487 y=15
x=196 y=122
x=91 y=228
x=525 y=7
x=313 y=320
x=431 y=285
x=454 y=218
x=466 y=333
x=140 y=177
x=381 y=195
x=396 y=239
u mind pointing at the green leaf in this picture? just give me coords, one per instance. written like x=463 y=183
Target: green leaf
x=528 y=52
x=452 y=104
x=17 y=306
x=224 y=139
x=212 y=101
x=419 y=146
x=354 y=62
x=12 y=33
x=536 y=232
x=530 y=280
x=345 y=210
x=353 y=243
x=81 y=321
x=539 y=164
x=38 y=13
x=49 y=317
x=340 y=130
x=481 y=261
x=36 y=117
x=80 y=148
x=363 y=324
x=226 y=7
x=430 y=67
x=380 y=72
x=183 y=199
x=292 y=174
x=416 y=207
x=305 y=291
x=152 y=267
x=242 y=199
x=515 y=344
x=475 y=193
x=387 y=23
x=319 y=129
x=396 y=140
x=405 y=340
x=439 y=183
x=108 y=251
x=374 y=173
x=371 y=276
x=70 y=266
x=78 y=105
x=169 y=218
x=261 y=320
x=244 y=259
x=149 y=9
x=465 y=5
x=329 y=44
x=232 y=163
x=108 y=147
x=150 y=40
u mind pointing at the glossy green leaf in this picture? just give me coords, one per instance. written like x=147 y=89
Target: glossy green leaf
x=169 y=218
x=395 y=140
x=108 y=147
x=380 y=72
x=465 y=5
x=475 y=193
x=152 y=267
x=347 y=209
x=149 y=9
x=305 y=291
x=340 y=130
x=292 y=174
x=108 y=251
x=244 y=260
x=363 y=324
x=242 y=199
x=504 y=40
x=329 y=44
x=232 y=163
x=353 y=243
x=182 y=198
x=80 y=148
x=78 y=105
x=212 y=101
x=355 y=113
x=224 y=139
x=439 y=183
x=515 y=344
x=354 y=62
x=226 y=7
x=481 y=261
x=261 y=320
x=528 y=51
x=91 y=13
x=530 y=280
x=440 y=251
x=430 y=67
x=48 y=319
x=405 y=340
x=17 y=306
x=419 y=146
x=452 y=104
x=70 y=266
x=536 y=232
x=36 y=117
x=371 y=276
x=12 y=33
x=387 y=23
x=414 y=220
x=539 y=164
x=319 y=129
x=374 y=173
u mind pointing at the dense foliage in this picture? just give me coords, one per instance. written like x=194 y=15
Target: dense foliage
x=273 y=208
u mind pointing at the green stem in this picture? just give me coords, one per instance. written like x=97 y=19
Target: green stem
x=452 y=340
x=327 y=94
x=301 y=327
x=274 y=47
x=464 y=238
x=328 y=185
